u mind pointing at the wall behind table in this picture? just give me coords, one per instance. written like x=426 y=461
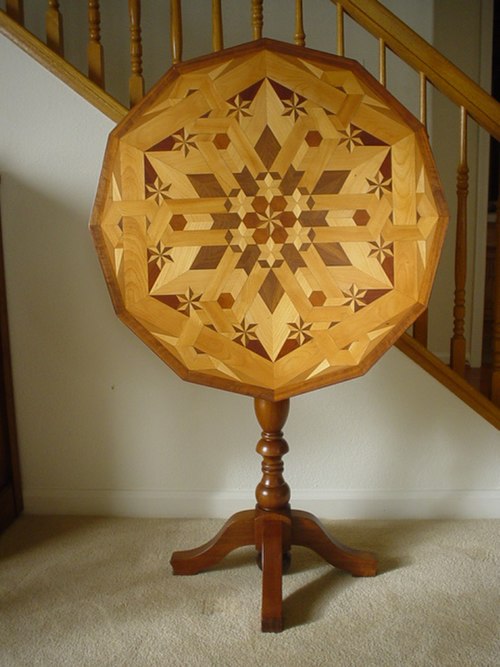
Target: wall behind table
x=105 y=427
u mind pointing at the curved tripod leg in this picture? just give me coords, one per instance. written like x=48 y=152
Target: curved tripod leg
x=238 y=531
x=307 y=531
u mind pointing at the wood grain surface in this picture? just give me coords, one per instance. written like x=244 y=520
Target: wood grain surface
x=269 y=219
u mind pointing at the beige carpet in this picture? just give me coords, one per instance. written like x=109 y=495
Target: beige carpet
x=98 y=592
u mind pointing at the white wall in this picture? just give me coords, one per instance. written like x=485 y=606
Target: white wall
x=106 y=427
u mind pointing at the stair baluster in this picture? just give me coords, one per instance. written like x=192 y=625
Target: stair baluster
x=95 y=52
x=176 y=30
x=217 y=33
x=54 y=27
x=300 y=36
x=382 y=62
x=15 y=9
x=423 y=99
x=257 y=18
x=458 y=343
x=136 y=80
x=340 y=30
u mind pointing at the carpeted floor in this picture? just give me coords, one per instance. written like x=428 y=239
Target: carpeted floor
x=96 y=592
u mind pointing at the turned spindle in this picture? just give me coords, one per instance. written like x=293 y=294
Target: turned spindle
x=272 y=492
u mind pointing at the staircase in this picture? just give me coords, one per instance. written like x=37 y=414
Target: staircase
x=469 y=364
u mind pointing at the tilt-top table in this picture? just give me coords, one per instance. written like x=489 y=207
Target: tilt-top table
x=269 y=220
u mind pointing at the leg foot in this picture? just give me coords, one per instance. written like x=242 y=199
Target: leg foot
x=238 y=531
x=307 y=531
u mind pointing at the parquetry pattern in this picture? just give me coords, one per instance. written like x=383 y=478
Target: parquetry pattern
x=269 y=219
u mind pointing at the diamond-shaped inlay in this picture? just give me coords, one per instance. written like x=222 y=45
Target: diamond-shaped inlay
x=268 y=235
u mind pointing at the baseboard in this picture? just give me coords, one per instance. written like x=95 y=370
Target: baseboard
x=327 y=504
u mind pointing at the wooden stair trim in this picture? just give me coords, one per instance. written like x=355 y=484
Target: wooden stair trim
x=78 y=82
x=423 y=57
x=450 y=379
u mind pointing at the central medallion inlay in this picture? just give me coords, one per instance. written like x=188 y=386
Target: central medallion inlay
x=269 y=219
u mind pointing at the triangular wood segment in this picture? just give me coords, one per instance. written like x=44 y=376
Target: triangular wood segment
x=269 y=219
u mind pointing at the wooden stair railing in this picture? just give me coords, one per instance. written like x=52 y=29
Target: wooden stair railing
x=136 y=80
x=472 y=101
x=15 y=10
x=176 y=30
x=457 y=343
x=95 y=51
x=425 y=59
x=60 y=68
x=54 y=27
x=393 y=35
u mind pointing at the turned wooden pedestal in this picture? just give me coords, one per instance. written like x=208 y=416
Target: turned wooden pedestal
x=272 y=526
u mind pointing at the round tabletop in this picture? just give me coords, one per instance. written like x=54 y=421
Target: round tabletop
x=269 y=219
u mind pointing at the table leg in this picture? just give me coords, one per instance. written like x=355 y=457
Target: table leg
x=238 y=531
x=272 y=571
x=307 y=531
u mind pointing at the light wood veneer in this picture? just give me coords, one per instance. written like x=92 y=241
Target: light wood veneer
x=269 y=219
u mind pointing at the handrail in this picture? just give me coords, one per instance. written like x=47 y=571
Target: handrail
x=423 y=57
x=62 y=69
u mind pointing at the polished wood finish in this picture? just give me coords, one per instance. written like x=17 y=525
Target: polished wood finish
x=422 y=57
x=271 y=221
x=421 y=328
x=95 y=51
x=54 y=27
x=340 y=30
x=300 y=35
x=272 y=526
x=307 y=531
x=238 y=531
x=217 y=31
x=15 y=10
x=136 y=80
x=458 y=342
x=176 y=30
x=382 y=67
x=257 y=18
x=272 y=572
x=60 y=68
x=272 y=493
x=423 y=99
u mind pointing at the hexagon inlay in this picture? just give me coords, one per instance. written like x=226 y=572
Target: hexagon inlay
x=270 y=218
